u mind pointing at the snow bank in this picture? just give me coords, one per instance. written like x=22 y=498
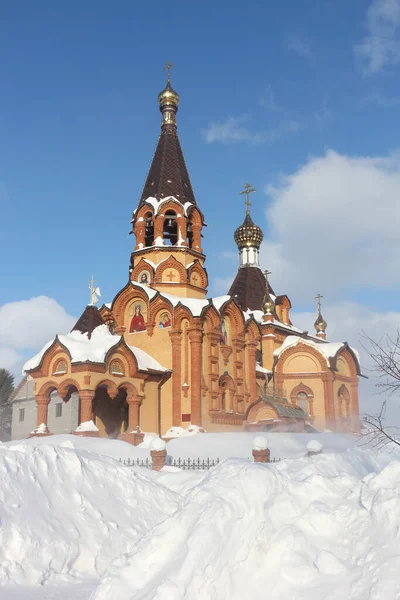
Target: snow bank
x=68 y=512
x=240 y=444
x=297 y=529
x=176 y=432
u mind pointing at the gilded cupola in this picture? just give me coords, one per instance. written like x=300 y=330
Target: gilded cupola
x=320 y=323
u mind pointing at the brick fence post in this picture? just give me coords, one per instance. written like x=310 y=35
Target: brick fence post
x=158 y=454
x=314 y=447
x=261 y=451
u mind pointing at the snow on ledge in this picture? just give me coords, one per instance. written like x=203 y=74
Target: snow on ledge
x=86 y=426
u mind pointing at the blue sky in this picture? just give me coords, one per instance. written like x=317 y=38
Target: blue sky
x=301 y=98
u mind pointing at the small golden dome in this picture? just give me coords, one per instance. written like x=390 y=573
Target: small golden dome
x=168 y=97
x=320 y=324
x=248 y=234
x=269 y=305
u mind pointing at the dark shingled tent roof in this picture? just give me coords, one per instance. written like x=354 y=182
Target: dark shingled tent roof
x=248 y=288
x=88 y=321
x=168 y=174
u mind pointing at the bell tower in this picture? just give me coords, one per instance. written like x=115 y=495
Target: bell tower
x=167 y=222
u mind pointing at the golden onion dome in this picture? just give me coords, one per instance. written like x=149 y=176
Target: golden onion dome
x=248 y=234
x=320 y=324
x=269 y=305
x=168 y=97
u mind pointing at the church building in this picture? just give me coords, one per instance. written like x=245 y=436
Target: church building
x=162 y=354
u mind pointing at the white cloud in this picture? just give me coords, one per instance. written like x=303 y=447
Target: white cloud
x=346 y=322
x=27 y=325
x=381 y=46
x=334 y=225
x=233 y=130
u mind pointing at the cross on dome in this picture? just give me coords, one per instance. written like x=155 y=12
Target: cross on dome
x=168 y=68
x=318 y=299
x=247 y=191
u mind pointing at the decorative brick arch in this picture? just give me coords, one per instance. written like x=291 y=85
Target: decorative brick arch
x=260 y=408
x=110 y=386
x=158 y=304
x=350 y=360
x=54 y=352
x=197 y=269
x=171 y=263
x=210 y=313
x=121 y=351
x=252 y=331
x=169 y=204
x=143 y=212
x=142 y=266
x=300 y=347
x=65 y=388
x=235 y=316
x=46 y=389
x=182 y=313
x=195 y=216
x=129 y=388
x=126 y=296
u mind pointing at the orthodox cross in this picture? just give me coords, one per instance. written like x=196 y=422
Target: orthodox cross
x=168 y=68
x=266 y=273
x=318 y=299
x=194 y=279
x=171 y=276
x=247 y=191
x=94 y=292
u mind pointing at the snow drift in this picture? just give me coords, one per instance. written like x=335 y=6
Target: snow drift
x=69 y=512
x=311 y=528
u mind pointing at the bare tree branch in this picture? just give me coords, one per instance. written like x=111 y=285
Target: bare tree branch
x=379 y=435
x=385 y=356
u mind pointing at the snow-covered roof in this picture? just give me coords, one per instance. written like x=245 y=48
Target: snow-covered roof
x=95 y=349
x=195 y=305
x=219 y=301
x=145 y=361
x=327 y=349
x=260 y=369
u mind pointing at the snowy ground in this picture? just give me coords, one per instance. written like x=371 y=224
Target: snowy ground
x=77 y=524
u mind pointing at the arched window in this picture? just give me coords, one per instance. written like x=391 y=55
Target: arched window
x=170 y=233
x=344 y=401
x=60 y=367
x=189 y=234
x=149 y=232
x=223 y=396
x=302 y=401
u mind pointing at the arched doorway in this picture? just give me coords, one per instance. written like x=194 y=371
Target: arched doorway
x=110 y=414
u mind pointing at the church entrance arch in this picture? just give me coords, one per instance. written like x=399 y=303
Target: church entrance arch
x=110 y=414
